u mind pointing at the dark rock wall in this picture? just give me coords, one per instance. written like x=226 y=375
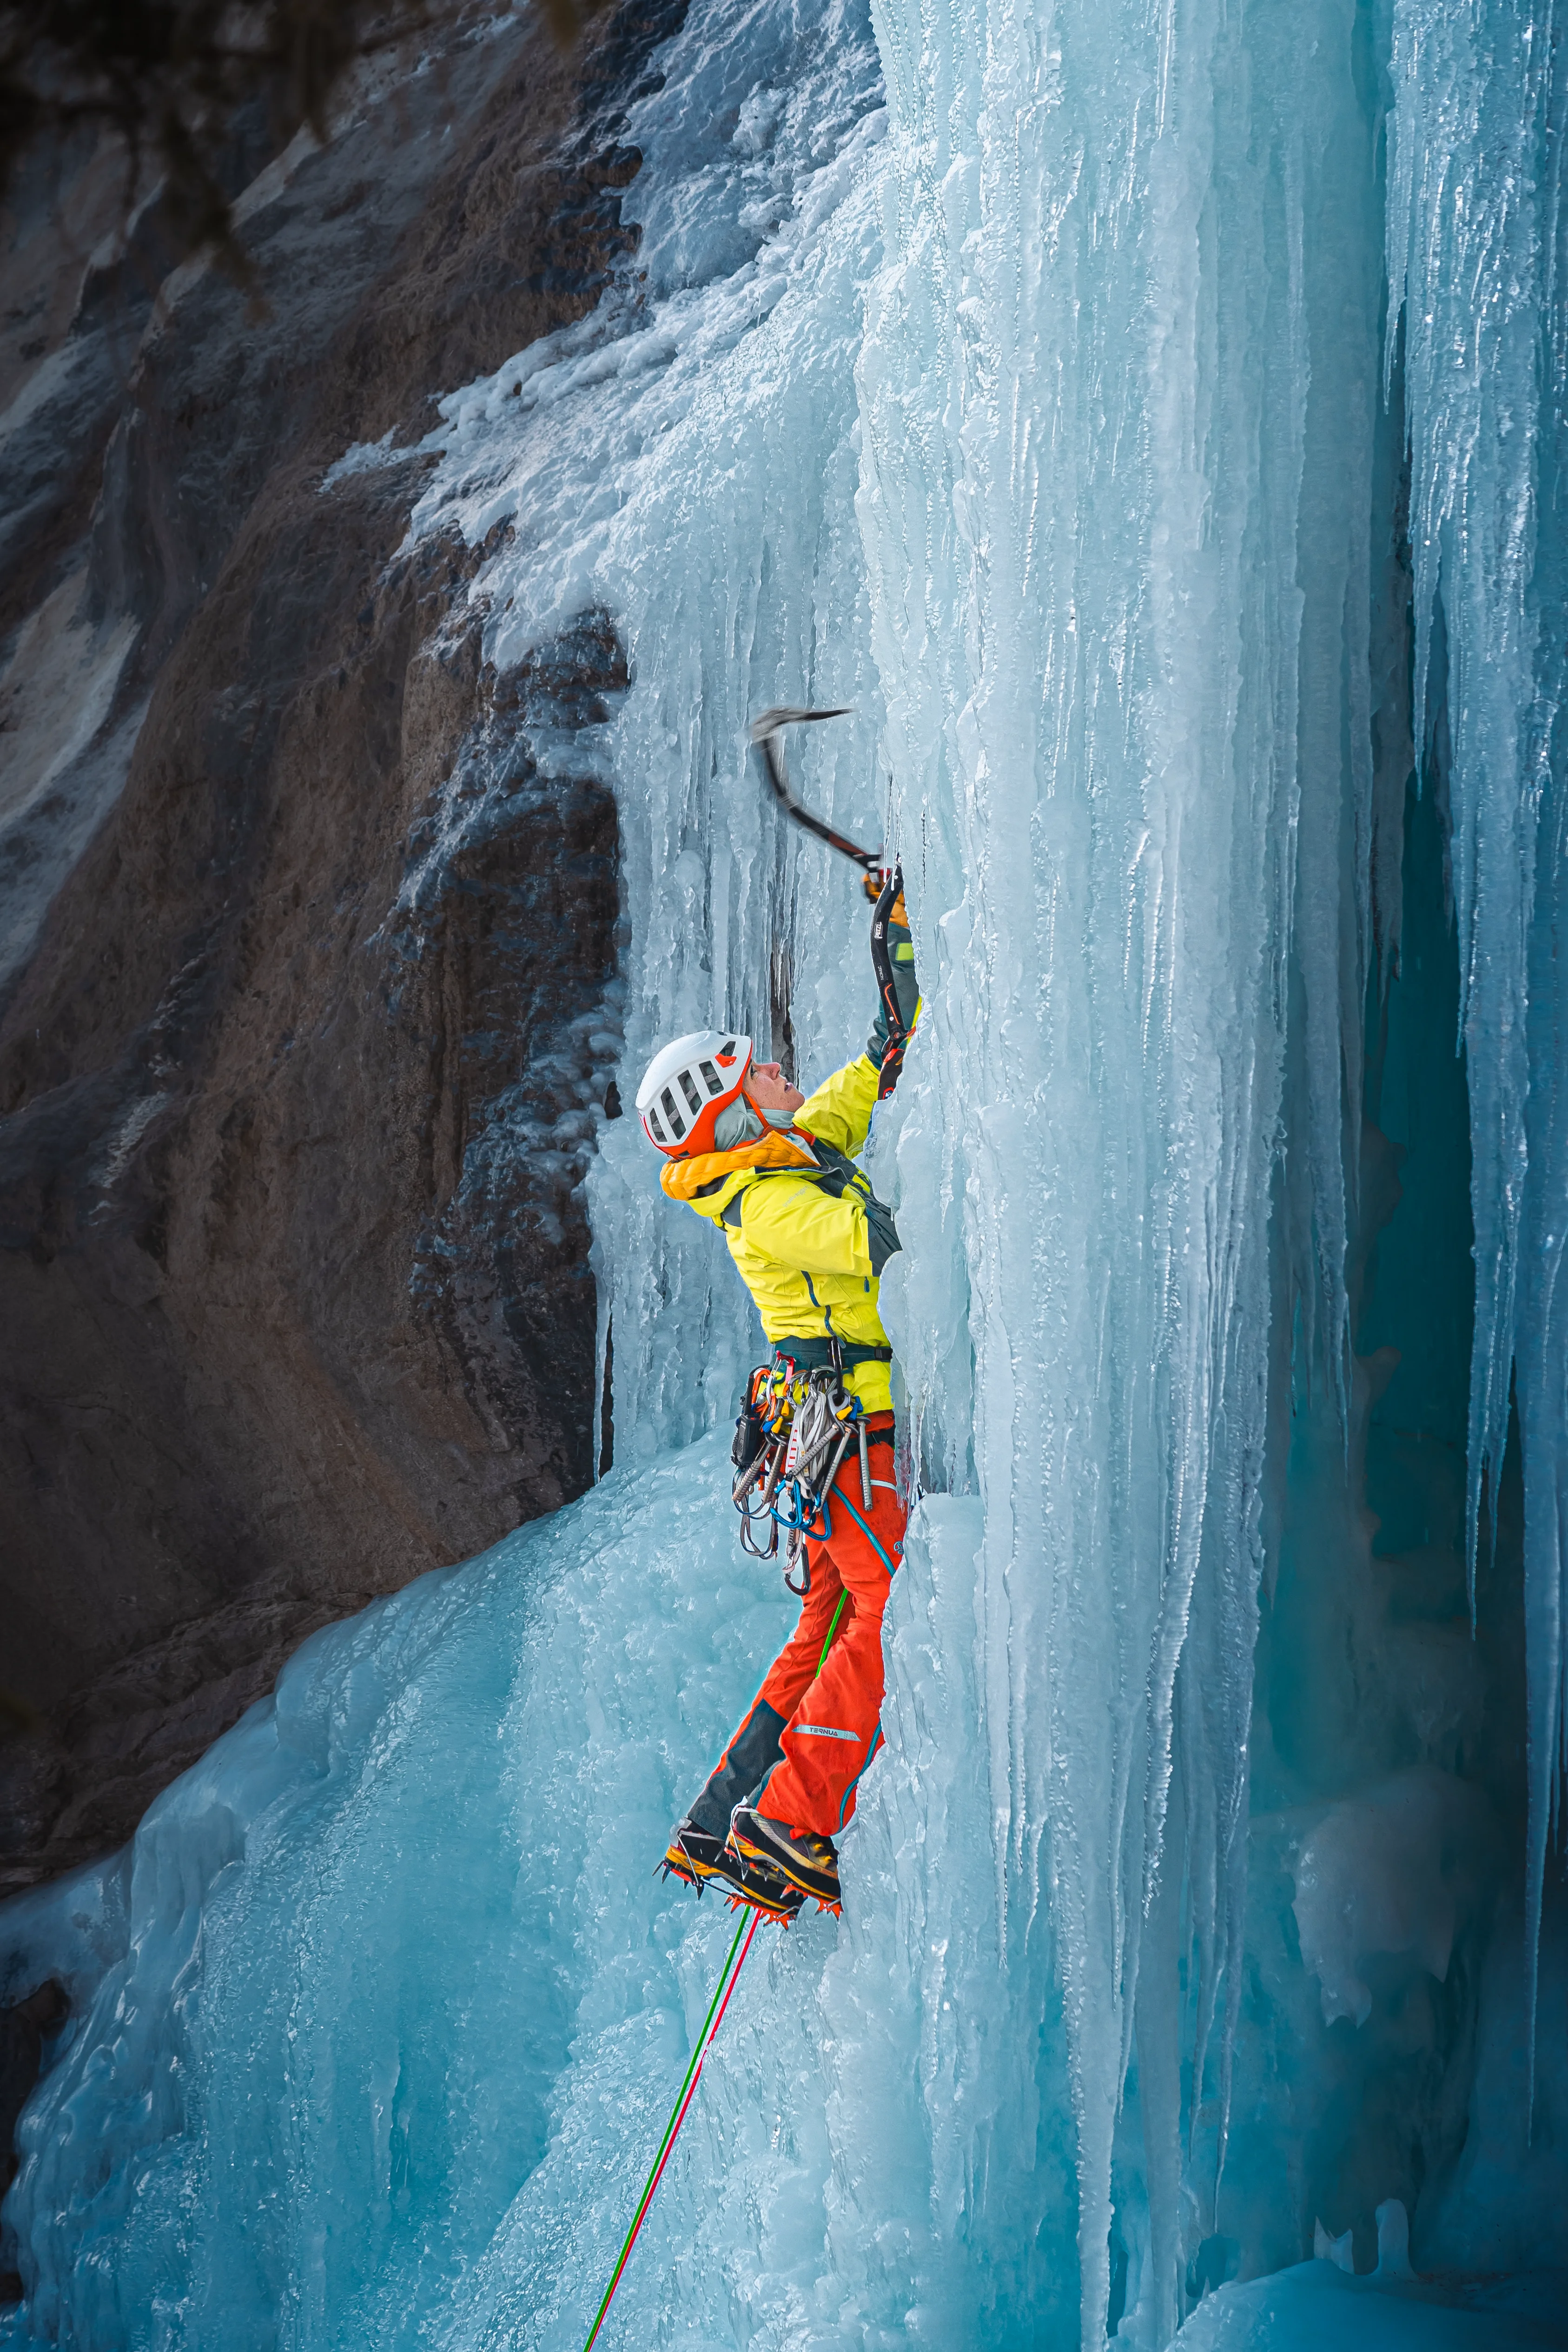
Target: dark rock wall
x=293 y=1116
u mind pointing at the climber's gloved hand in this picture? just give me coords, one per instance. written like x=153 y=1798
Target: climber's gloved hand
x=906 y=988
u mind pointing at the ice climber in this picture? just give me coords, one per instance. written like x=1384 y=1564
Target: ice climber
x=774 y=1171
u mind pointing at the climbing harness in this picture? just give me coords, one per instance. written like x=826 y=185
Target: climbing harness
x=730 y=1975
x=764 y=735
x=794 y=1431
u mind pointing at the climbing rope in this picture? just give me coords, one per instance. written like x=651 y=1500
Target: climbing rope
x=728 y=1978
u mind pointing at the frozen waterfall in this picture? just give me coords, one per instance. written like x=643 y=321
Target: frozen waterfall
x=1149 y=420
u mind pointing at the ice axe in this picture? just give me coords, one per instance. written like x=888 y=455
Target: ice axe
x=767 y=733
x=883 y=886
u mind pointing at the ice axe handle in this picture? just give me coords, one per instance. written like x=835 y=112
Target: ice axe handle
x=882 y=965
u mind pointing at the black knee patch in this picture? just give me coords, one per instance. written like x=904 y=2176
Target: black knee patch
x=752 y=1754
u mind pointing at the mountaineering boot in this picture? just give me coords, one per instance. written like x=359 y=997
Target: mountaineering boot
x=802 y=1857
x=758 y=1883
x=700 y=1859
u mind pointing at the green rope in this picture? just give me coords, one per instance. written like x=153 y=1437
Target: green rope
x=833 y=1629
x=698 y=2048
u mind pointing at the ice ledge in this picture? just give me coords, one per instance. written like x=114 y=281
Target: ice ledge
x=1317 y=2307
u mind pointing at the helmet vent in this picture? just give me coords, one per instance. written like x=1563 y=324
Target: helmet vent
x=687 y=1086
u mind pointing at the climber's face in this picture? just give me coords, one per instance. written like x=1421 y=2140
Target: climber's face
x=767 y=1089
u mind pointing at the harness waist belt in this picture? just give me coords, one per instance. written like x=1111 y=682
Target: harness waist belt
x=817 y=1355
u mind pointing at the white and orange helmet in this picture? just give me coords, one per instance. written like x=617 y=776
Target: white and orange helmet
x=686 y=1086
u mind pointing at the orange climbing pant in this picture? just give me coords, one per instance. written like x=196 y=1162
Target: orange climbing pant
x=826 y=1681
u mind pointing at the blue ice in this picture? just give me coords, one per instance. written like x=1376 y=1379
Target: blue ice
x=386 y=2005
x=1039 y=381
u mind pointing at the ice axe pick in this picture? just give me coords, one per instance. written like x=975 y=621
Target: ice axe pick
x=767 y=734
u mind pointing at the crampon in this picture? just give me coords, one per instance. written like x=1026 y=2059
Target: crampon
x=806 y=1862
x=700 y=1859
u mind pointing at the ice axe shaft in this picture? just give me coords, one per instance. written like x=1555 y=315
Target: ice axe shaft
x=767 y=734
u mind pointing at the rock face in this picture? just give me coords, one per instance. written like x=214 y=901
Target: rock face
x=294 y=1111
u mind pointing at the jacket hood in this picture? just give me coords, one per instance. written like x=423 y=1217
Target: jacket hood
x=683 y=1178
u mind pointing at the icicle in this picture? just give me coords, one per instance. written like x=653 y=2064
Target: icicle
x=1474 y=263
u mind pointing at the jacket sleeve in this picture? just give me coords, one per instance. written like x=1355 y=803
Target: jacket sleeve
x=797 y=1225
x=840 y=1111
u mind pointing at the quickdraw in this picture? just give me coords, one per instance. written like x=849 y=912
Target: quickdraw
x=790 y=1440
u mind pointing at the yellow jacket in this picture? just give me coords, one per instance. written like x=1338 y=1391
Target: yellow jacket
x=803 y=1225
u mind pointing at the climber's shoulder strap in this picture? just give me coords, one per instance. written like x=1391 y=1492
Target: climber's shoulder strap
x=730 y=1214
x=734 y=1207
x=840 y=1175
x=833 y=1176
x=836 y=1175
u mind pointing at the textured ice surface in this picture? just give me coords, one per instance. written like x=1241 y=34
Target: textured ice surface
x=1025 y=378
x=394 y=2008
